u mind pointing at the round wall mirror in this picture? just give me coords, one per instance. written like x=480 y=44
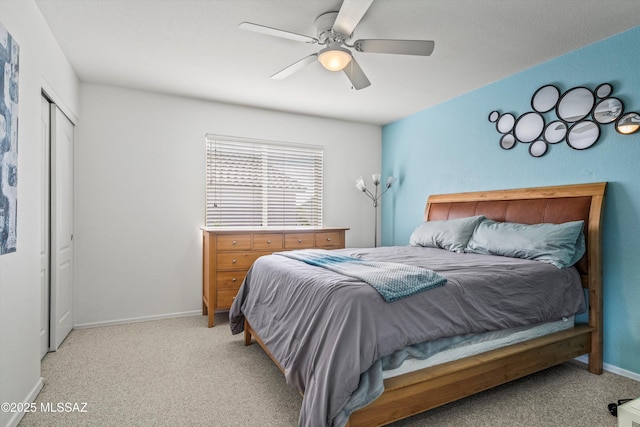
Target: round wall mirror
x=575 y=104
x=538 y=148
x=506 y=122
x=608 y=110
x=583 y=135
x=555 y=131
x=508 y=141
x=493 y=116
x=628 y=123
x=604 y=90
x=529 y=127
x=545 y=98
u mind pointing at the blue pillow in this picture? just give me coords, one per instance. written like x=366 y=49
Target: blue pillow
x=449 y=234
x=559 y=244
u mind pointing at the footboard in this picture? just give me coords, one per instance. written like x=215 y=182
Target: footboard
x=419 y=391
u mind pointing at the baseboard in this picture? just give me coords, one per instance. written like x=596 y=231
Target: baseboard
x=613 y=369
x=30 y=398
x=138 y=319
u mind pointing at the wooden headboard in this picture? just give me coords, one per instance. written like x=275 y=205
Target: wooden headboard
x=555 y=204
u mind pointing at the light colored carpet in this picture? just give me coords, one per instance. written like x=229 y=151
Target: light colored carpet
x=177 y=372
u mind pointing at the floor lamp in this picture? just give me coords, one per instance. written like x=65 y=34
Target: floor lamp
x=375 y=197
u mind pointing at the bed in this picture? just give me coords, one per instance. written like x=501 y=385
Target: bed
x=419 y=390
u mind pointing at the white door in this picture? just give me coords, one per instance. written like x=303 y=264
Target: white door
x=61 y=227
x=44 y=239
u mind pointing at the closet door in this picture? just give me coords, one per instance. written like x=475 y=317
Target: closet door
x=45 y=139
x=61 y=227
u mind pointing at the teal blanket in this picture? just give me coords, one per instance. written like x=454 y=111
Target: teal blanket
x=393 y=281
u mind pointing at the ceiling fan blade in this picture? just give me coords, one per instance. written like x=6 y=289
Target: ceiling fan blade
x=401 y=47
x=356 y=76
x=277 y=33
x=350 y=15
x=296 y=66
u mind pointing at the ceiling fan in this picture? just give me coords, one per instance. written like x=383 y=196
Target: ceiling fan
x=334 y=31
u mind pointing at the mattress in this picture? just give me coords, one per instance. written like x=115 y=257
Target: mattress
x=454 y=348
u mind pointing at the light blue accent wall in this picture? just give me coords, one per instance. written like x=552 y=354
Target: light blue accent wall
x=452 y=147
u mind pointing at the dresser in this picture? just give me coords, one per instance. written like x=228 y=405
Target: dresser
x=228 y=254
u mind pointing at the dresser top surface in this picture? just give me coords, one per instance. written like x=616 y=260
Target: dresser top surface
x=270 y=230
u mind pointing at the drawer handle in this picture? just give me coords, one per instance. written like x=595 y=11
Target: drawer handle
x=268 y=242
x=234 y=279
x=299 y=240
x=233 y=261
x=233 y=242
x=328 y=239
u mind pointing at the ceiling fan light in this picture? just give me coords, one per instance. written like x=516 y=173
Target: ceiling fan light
x=334 y=57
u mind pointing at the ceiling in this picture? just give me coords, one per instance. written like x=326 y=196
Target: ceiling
x=194 y=48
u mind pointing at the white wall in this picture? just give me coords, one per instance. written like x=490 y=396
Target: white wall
x=42 y=64
x=140 y=176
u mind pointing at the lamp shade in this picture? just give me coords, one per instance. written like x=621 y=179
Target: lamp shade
x=390 y=181
x=334 y=57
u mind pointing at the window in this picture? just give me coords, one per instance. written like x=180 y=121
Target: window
x=253 y=183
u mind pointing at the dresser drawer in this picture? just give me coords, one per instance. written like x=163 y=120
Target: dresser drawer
x=236 y=260
x=264 y=242
x=230 y=279
x=328 y=239
x=298 y=240
x=225 y=297
x=233 y=242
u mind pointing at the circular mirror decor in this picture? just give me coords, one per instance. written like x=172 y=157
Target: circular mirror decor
x=580 y=113
x=529 y=127
x=506 y=122
x=555 y=131
x=628 y=123
x=607 y=110
x=604 y=90
x=538 y=148
x=545 y=98
x=575 y=104
x=508 y=141
x=583 y=135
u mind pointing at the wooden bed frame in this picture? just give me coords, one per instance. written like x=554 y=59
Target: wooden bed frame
x=425 y=389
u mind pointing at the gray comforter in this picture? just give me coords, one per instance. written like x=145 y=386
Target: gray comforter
x=329 y=331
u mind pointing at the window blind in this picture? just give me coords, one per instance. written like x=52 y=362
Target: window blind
x=253 y=183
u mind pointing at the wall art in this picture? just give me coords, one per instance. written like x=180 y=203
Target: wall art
x=574 y=116
x=8 y=141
